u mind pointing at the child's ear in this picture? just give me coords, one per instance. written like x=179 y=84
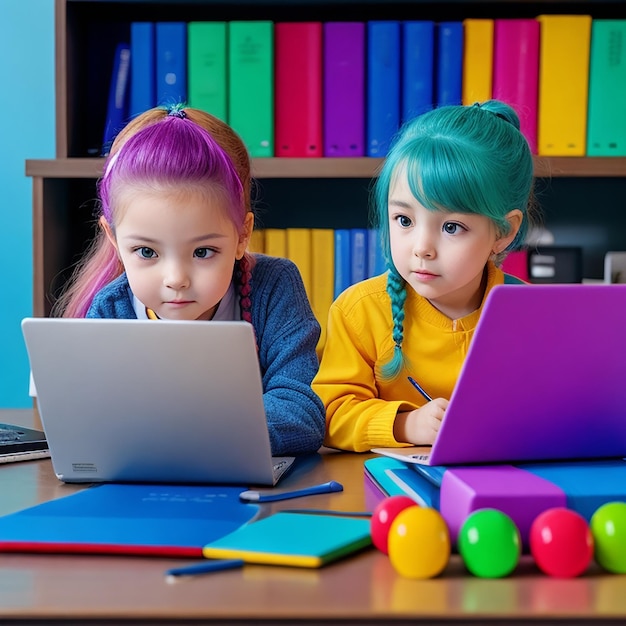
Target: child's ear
x=108 y=231
x=514 y=218
x=246 y=233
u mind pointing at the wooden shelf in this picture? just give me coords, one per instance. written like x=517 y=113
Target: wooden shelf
x=545 y=167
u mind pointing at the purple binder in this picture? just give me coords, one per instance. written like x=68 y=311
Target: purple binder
x=344 y=89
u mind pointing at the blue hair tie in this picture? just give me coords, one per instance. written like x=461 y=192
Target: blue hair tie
x=177 y=111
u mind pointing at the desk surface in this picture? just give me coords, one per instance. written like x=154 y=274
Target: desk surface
x=363 y=589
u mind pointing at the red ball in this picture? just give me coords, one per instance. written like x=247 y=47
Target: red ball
x=382 y=517
x=561 y=543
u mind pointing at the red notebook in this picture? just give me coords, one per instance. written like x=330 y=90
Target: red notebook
x=128 y=519
x=298 y=89
x=516 y=71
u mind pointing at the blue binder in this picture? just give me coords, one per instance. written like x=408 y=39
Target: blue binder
x=171 y=62
x=343 y=261
x=449 y=63
x=418 y=67
x=117 y=107
x=383 y=85
x=142 y=67
x=358 y=248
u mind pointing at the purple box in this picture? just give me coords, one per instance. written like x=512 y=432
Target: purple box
x=516 y=492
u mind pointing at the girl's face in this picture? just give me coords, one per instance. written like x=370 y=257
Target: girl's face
x=442 y=255
x=178 y=249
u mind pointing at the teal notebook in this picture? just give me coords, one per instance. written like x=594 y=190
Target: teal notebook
x=296 y=539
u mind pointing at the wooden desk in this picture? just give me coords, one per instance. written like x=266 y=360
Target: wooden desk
x=363 y=589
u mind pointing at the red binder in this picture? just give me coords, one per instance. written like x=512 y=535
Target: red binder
x=516 y=71
x=298 y=89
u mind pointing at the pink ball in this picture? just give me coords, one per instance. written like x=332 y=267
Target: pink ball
x=561 y=543
x=382 y=517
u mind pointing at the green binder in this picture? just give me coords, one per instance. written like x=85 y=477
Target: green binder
x=251 y=84
x=206 y=63
x=606 y=123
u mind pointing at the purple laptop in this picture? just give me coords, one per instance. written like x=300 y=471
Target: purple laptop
x=544 y=379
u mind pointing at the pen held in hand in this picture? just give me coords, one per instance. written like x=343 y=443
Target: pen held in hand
x=417 y=386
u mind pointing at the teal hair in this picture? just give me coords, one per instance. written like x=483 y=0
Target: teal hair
x=461 y=159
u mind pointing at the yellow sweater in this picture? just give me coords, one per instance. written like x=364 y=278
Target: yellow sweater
x=361 y=408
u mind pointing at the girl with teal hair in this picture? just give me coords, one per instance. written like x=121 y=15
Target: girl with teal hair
x=453 y=197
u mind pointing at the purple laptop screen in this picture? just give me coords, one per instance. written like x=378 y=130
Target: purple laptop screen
x=544 y=379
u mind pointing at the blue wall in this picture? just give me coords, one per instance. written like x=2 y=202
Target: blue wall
x=26 y=132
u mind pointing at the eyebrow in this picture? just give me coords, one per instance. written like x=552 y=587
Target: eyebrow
x=197 y=239
x=399 y=203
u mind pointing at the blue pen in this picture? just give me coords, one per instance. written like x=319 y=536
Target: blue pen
x=416 y=385
x=206 y=567
x=255 y=496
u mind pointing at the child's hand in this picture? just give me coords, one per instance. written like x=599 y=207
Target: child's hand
x=420 y=427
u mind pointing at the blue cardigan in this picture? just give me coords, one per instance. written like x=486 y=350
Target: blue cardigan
x=286 y=334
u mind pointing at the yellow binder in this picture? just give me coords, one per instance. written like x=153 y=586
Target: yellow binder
x=477 y=60
x=322 y=278
x=563 y=84
x=299 y=251
x=276 y=242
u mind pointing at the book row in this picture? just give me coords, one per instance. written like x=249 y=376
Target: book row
x=329 y=260
x=342 y=89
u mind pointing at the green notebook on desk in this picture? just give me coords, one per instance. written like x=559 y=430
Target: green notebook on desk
x=296 y=539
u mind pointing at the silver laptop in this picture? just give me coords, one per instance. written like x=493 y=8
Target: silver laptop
x=151 y=401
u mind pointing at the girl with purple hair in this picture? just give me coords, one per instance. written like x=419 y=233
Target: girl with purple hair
x=175 y=222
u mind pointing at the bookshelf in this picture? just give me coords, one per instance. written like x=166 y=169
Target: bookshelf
x=331 y=192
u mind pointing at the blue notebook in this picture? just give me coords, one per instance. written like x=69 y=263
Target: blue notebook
x=128 y=519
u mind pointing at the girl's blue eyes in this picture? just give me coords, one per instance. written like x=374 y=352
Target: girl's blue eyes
x=146 y=253
x=450 y=228
x=203 y=253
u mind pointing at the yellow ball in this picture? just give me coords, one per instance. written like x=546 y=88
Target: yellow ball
x=419 y=543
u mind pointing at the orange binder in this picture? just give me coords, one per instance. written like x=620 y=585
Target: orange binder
x=477 y=60
x=563 y=84
x=298 y=89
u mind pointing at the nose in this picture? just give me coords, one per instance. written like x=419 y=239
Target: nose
x=176 y=277
x=423 y=244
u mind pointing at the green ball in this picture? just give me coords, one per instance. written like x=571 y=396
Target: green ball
x=608 y=527
x=490 y=543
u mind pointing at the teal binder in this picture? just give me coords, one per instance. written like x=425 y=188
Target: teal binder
x=606 y=122
x=251 y=84
x=206 y=67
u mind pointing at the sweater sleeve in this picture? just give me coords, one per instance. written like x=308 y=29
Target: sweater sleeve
x=357 y=419
x=287 y=335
